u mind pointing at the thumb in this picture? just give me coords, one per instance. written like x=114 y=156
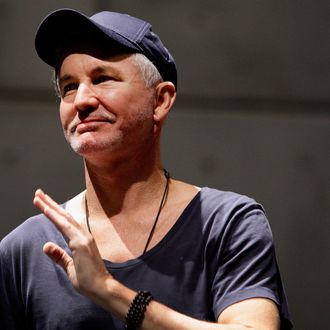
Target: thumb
x=58 y=255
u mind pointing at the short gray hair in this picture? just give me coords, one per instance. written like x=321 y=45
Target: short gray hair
x=149 y=72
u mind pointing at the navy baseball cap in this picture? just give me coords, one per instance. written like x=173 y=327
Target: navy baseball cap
x=124 y=32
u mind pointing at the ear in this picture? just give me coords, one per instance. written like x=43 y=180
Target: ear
x=164 y=99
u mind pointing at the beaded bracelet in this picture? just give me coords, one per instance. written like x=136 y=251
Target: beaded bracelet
x=137 y=308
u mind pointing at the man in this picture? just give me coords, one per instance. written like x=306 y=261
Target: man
x=136 y=247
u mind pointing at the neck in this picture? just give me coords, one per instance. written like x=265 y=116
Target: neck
x=161 y=205
x=121 y=188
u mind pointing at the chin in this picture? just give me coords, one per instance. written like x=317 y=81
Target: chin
x=83 y=148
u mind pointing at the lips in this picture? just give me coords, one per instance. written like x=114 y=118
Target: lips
x=90 y=124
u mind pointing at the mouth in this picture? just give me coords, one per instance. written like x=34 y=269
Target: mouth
x=90 y=124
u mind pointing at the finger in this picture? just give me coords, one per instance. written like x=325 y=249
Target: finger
x=56 y=214
x=44 y=202
x=58 y=255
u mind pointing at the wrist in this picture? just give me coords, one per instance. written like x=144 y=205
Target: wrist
x=115 y=297
x=137 y=308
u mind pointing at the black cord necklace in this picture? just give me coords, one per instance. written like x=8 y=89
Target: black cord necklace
x=162 y=203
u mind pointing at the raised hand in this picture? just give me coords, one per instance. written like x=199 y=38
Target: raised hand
x=85 y=268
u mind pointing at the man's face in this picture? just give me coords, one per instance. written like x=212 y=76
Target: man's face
x=105 y=105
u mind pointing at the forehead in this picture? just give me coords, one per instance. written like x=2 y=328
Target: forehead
x=82 y=63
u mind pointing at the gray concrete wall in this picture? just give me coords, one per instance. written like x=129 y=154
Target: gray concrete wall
x=252 y=116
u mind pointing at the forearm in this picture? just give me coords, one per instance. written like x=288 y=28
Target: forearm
x=116 y=298
x=161 y=317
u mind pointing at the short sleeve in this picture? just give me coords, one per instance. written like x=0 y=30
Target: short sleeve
x=247 y=266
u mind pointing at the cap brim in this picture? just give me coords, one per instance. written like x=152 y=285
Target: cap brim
x=65 y=26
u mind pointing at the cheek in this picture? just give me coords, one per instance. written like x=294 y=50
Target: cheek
x=65 y=116
x=132 y=111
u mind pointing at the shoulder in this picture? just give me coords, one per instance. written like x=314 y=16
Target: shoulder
x=225 y=199
x=38 y=229
x=228 y=216
x=28 y=236
x=227 y=204
x=214 y=201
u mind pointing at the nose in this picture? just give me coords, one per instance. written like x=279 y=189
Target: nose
x=85 y=98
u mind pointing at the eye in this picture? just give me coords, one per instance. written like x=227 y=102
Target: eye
x=69 y=87
x=102 y=79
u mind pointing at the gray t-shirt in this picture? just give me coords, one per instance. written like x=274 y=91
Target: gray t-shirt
x=220 y=251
